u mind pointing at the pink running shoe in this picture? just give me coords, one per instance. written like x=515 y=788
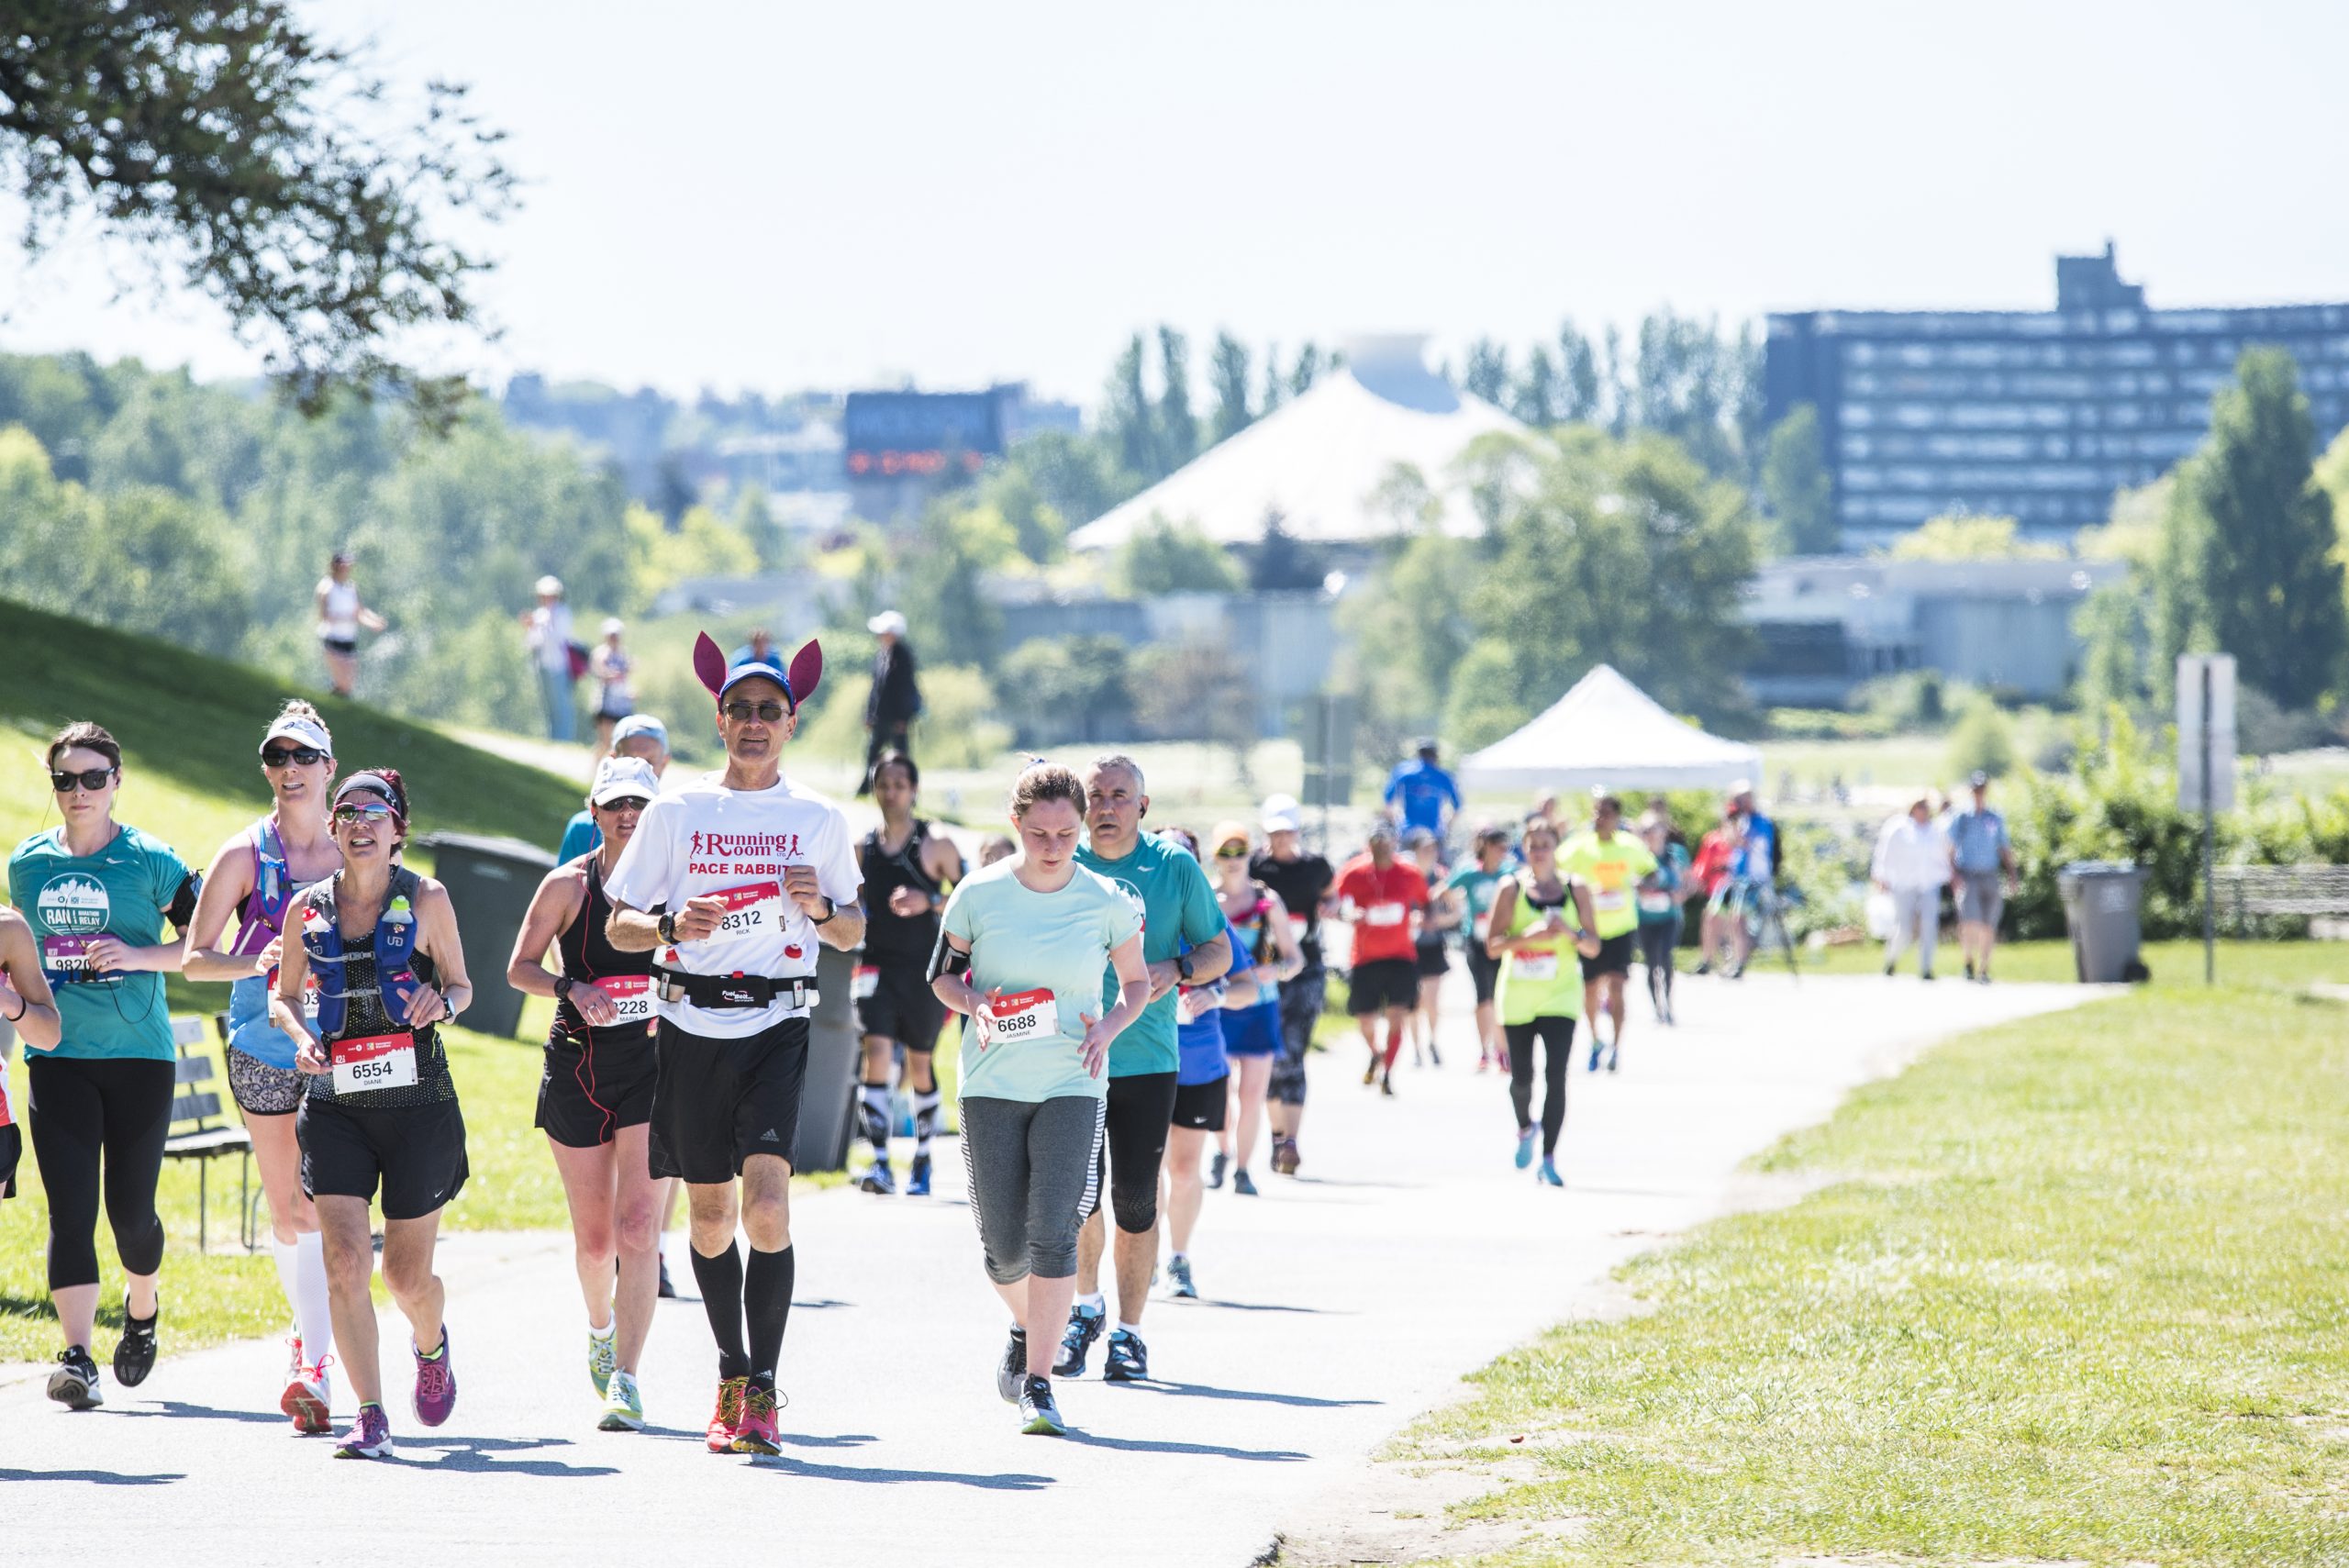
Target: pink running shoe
x=370 y=1436
x=436 y=1383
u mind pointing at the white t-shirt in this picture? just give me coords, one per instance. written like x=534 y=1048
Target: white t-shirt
x=549 y=637
x=341 y=621
x=702 y=839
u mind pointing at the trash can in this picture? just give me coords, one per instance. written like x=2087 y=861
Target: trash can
x=828 y=1099
x=490 y=883
x=2101 y=900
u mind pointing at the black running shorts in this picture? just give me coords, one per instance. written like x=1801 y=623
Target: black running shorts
x=1613 y=957
x=1483 y=972
x=1140 y=1109
x=1200 y=1106
x=717 y=1102
x=902 y=1008
x=1381 y=983
x=418 y=1153
x=588 y=1091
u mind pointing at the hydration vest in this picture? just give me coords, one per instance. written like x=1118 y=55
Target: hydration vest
x=263 y=915
x=394 y=948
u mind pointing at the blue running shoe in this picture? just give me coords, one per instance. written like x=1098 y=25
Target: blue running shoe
x=917 y=1182
x=1525 y=1148
x=1550 y=1177
x=1085 y=1325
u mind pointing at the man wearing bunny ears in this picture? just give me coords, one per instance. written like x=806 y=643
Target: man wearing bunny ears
x=731 y=880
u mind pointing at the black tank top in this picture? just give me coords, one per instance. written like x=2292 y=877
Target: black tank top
x=890 y=936
x=587 y=953
x=364 y=1009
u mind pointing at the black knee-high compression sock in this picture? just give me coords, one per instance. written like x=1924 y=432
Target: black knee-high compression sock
x=720 y=1279
x=766 y=1302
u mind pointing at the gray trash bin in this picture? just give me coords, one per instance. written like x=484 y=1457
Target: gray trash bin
x=827 y=1100
x=491 y=882
x=2100 y=907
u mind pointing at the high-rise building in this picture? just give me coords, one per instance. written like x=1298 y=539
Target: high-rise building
x=2039 y=415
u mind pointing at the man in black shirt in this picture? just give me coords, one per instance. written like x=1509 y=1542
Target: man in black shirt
x=1301 y=881
x=890 y=707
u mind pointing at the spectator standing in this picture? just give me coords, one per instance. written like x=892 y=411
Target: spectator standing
x=341 y=618
x=1984 y=858
x=547 y=630
x=760 y=649
x=1421 y=795
x=1912 y=864
x=895 y=699
x=610 y=664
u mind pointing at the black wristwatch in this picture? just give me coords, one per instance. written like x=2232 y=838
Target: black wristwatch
x=562 y=987
x=831 y=910
x=666 y=926
x=1183 y=967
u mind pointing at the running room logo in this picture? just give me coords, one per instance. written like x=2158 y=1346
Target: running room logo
x=72 y=905
x=745 y=846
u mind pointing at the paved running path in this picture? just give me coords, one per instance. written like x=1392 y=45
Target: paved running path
x=1339 y=1305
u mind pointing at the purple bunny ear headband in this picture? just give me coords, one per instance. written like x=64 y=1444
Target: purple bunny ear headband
x=806 y=669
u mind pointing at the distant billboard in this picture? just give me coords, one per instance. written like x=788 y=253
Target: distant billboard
x=915 y=433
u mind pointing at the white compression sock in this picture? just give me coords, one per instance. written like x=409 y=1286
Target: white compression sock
x=289 y=1278
x=311 y=1314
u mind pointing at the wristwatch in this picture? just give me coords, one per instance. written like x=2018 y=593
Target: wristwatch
x=562 y=987
x=1183 y=967
x=666 y=926
x=831 y=910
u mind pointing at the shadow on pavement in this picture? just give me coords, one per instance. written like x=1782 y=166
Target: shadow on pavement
x=1201 y=1391
x=94 y=1477
x=1275 y=1306
x=471 y=1456
x=1015 y=1481
x=1210 y=1450
x=207 y=1413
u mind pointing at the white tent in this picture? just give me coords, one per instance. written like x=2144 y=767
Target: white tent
x=1318 y=460
x=1608 y=731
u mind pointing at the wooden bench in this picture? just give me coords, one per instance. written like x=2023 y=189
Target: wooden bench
x=2310 y=890
x=201 y=1133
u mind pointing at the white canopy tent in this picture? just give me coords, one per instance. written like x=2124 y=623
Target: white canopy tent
x=1608 y=731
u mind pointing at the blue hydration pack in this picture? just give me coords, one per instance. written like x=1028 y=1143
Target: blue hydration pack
x=394 y=957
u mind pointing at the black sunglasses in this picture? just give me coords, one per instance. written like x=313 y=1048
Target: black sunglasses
x=282 y=756
x=625 y=802
x=91 y=779
x=769 y=712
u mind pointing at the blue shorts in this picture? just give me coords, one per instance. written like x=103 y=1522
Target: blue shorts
x=1254 y=1032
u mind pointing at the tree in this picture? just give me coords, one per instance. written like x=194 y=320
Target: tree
x=1285 y=563
x=1198 y=690
x=1062 y=689
x=1229 y=375
x=2254 y=537
x=1536 y=395
x=2112 y=626
x=1965 y=536
x=1276 y=386
x=229 y=145
x=1487 y=374
x=1076 y=477
x=1306 y=371
x=1165 y=558
x=941 y=583
x=1796 y=486
x=1178 y=427
x=1578 y=368
x=755 y=520
x=1127 y=424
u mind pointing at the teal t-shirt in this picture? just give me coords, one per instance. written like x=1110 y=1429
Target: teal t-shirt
x=123 y=891
x=1179 y=911
x=1479 y=886
x=1023 y=941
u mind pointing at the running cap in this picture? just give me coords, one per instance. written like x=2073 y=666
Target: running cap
x=300 y=729
x=340 y=558
x=611 y=626
x=1978 y=780
x=1281 y=814
x=548 y=588
x=1229 y=833
x=637 y=724
x=806 y=669
x=888 y=621
x=621 y=778
x=1742 y=787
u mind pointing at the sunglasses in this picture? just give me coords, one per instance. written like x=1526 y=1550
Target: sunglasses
x=91 y=779
x=291 y=756
x=626 y=803
x=1232 y=853
x=373 y=813
x=768 y=712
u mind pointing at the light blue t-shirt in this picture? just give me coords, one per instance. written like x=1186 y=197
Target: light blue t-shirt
x=1023 y=941
x=580 y=837
x=1179 y=912
x=123 y=891
x=1979 y=839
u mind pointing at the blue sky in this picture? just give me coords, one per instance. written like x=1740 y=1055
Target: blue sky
x=776 y=196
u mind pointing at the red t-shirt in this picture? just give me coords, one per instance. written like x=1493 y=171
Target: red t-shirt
x=1714 y=853
x=1383 y=902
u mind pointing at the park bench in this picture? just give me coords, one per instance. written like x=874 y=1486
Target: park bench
x=2308 y=890
x=200 y=1132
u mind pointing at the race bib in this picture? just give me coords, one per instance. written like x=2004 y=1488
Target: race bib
x=867 y=982
x=1607 y=898
x=1656 y=903
x=1537 y=966
x=631 y=997
x=309 y=991
x=368 y=1062
x=753 y=910
x=7 y=1117
x=1384 y=915
x=1021 y=1014
x=66 y=955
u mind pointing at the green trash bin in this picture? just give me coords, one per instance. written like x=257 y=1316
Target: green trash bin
x=491 y=882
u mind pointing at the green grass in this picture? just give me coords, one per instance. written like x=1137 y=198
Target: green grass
x=2256 y=963
x=2076 y=1291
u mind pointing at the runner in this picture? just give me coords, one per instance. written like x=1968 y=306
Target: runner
x=1202 y=1099
x=1983 y=857
x=341 y=618
x=734 y=879
x=1036 y=931
x=640 y=734
x=1610 y=862
x=1251 y=1031
x=1539 y=998
x=1419 y=794
x=27 y=1010
x=237 y=936
x=1430 y=951
x=1661 y=892
x=1301 y=881
x=1470 y=890
x=596 y=1091
x=1752 y=871
x=1710 y=875
x=381 y=1106
x=97 y=895
x=1179 y=911
x=1383 y=897
x=609 y=663
x=906 y=872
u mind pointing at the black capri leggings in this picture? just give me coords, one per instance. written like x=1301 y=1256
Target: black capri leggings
x=91 y=1114
x=1557 y=1037
x=1300 y=1006
x=1141 y=1113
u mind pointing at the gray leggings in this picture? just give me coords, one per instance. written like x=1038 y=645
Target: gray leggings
x=1035 y=1179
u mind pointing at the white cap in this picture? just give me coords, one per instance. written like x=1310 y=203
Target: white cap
x=1281 y=814
x=619 y=778
x=611 y=626
x=300 y=730
x=549 y=586
x=888 y=621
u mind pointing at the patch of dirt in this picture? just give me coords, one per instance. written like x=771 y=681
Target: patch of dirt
x=1394 y=1514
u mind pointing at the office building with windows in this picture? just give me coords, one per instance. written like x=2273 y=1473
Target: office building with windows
x=2039 y=415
